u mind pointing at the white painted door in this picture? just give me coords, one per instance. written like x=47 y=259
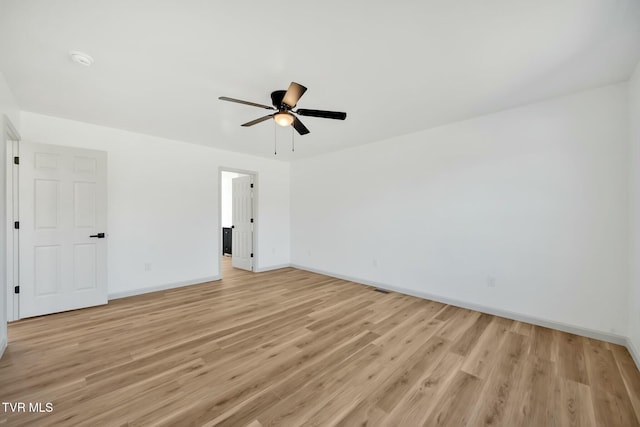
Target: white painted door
x=63 y=203
x=242 y=228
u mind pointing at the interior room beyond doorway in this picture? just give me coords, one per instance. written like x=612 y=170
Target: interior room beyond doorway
x=236 y=218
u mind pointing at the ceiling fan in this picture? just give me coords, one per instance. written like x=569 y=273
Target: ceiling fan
x=283 y=102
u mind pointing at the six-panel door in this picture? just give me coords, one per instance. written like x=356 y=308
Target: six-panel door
x=241 y=215
x=63 y=201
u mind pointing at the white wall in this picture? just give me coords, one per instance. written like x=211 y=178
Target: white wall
x=163 y=203
x=226 y=201
x=523 y=211
x=634 y=187
x=8 y=107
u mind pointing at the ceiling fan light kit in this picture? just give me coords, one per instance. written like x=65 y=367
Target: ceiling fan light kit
x=283 y=118
x=283 y=102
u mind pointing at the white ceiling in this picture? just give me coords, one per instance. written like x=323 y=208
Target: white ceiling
x=394 y=66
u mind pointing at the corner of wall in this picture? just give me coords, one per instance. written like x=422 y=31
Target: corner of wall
x=633 y=351
x=633 y=308
x=8 y=104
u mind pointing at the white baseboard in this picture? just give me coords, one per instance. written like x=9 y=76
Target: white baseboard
x=572 y=329
x=140 y=291
x=271 y=268
x=633 y=351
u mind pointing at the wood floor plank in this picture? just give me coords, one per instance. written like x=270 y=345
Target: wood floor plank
x=469 y=338
x=542 y=344
x=535 y=394
x=390 y=391
x=483 y=356
x=313 y=379
x=290 y=347
x=451 y=408
x=458 y=324
x=523 y=328
x=611 y=401
x=630 y=375
x=499 y=390
x=303 y=393
x=573 y=404
x=398 y=386
x=571 y=362
x=419 y=402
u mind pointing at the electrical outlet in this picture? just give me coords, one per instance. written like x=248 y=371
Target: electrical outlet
x=491 y=282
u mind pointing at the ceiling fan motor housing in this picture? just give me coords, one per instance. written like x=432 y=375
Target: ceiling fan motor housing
x=276 y=98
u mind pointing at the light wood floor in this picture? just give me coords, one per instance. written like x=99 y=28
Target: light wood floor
x=295 y=348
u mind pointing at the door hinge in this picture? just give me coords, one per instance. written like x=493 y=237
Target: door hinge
x=252 y=255
x=16 y=289
x=16 y=225
x=16 y=160
x=251 y=185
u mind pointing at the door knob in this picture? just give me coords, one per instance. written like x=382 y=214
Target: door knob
x=99 y=235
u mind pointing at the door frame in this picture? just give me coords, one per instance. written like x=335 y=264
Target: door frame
x=12 y=145
x=256 y=217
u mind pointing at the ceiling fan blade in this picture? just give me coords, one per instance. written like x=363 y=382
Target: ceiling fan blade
x=240 y=101
x=256 y=121
x=322 y=113
x=297 y=125
x=294 y=93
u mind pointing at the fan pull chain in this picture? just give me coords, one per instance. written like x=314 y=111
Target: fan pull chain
x=275 y=140
x=293 y=147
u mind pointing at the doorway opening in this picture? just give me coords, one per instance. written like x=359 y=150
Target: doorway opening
x=238 y=219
